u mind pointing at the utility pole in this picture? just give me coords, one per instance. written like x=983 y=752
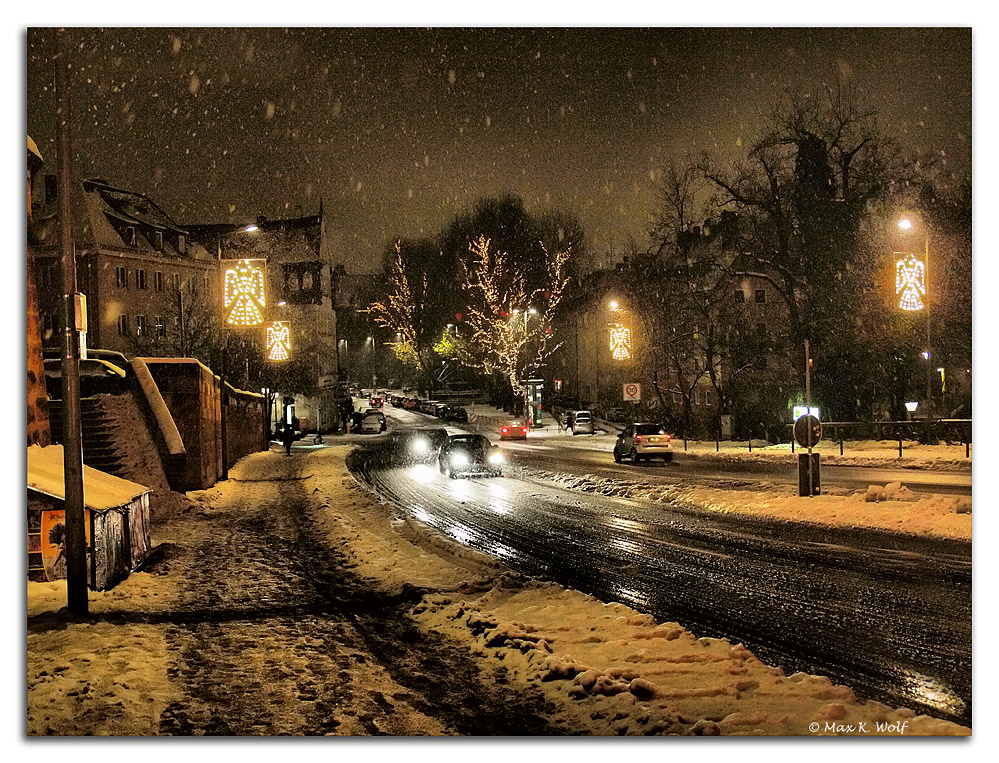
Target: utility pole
x=76 y=538
x=808 y=409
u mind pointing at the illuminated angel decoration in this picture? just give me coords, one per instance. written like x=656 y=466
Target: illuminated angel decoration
x=910 y=283
x=278 y=340
x=243 y=298
x=620 y=343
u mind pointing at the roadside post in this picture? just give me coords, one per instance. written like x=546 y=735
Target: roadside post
x=808 y=432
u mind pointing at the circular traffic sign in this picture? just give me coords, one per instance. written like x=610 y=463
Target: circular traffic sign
x=807 y=428
x=631 y=389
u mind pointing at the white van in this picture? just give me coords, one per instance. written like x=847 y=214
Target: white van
x=581 y=422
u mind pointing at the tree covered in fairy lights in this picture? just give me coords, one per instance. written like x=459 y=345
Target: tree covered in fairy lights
x=499 y=335
x=403 y=311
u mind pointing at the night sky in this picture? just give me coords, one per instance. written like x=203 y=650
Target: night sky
x=398 y=130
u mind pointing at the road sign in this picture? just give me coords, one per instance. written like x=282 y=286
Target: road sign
x=632 y=391
x=805 y=428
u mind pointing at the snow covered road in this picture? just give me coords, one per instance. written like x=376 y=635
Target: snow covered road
x=886 y=614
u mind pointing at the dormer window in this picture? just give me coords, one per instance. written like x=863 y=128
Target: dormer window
x=182 y=244
x=129 y=235
x=158 y=240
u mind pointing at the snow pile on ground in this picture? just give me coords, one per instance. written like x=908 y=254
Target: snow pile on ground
x=613 y=671
x=105 y=677
x=894 y=508
x=876 y=453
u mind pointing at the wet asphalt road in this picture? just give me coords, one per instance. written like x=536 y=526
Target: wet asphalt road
x=887 y=615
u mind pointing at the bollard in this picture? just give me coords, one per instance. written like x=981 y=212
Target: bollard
x=900 y=444
x=841 y=445
x=716 y=445
x=967 y=449
x=750 y=444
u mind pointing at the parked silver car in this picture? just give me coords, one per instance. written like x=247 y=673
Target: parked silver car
x=580 y=422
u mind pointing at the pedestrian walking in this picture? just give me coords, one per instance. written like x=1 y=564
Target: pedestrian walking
x=288 y=437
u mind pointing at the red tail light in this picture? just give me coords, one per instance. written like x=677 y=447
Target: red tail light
x=504 y=430
x=669 y=437
x=638 y=437
x=524 y=430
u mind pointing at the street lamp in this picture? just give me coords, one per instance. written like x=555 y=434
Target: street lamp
x=912 y=290
x=620 y=335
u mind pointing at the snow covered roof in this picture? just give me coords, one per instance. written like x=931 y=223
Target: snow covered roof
x=101 y=491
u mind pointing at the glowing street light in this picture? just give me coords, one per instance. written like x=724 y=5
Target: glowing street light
x=911 y=287
x=620 y=336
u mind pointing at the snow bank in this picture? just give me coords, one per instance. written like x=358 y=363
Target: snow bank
x=613 y=671
x=893 y=508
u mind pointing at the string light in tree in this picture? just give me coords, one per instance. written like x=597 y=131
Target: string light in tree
x=243 y=293
x=910 y=283
x=278 y=337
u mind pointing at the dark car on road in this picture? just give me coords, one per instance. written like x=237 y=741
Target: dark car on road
x=470 y=454
x=455 y=413
x=418 y=445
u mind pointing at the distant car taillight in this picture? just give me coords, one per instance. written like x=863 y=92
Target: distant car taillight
x=504 y=430
x=524 y=430
x=638 y=437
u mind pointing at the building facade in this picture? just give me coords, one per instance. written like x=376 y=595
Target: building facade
x=702 y=353
x=140 y=271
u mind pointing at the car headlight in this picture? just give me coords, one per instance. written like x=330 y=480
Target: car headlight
x=420 y=445
x=459 y=459
x=496 y=458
